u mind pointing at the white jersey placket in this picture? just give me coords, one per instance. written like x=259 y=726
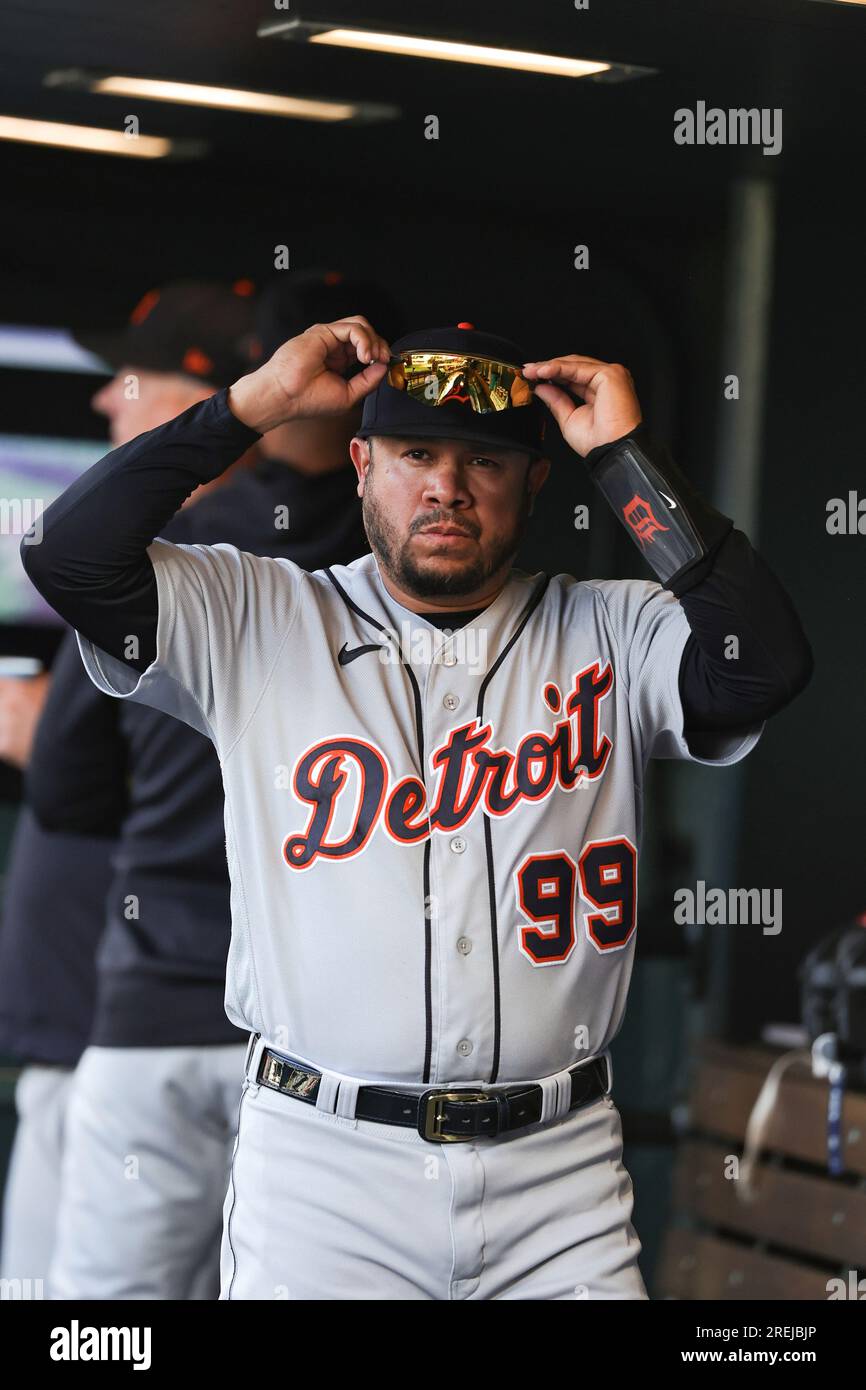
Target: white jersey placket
x=462 y=949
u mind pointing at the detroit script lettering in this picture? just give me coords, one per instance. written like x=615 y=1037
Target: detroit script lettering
x=499 y=779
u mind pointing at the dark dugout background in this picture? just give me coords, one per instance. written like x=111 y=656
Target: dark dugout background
x=703 y=262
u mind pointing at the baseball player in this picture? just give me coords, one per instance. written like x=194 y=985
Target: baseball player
x=433 y=765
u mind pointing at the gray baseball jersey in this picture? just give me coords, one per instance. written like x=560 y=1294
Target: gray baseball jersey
x=432 y=838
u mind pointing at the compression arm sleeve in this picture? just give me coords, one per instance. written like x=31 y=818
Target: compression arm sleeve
x=91 y=563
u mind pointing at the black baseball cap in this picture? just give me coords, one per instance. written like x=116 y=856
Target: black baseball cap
x=390 y=411
x=294 y=300
x=198 y=328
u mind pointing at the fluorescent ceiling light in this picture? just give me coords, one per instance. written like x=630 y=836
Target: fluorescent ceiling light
x=220 y=98
x=447 y=50
x=86 y=137
x=408 y=46
x=228 y=98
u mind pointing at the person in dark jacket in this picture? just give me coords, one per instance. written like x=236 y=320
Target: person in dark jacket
x=54 y=893
x=181 y=345
x=152 y=1119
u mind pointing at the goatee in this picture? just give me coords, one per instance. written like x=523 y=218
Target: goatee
x=425 y=579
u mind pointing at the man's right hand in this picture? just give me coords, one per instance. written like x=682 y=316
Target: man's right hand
x=304 y=378
x=21 y=701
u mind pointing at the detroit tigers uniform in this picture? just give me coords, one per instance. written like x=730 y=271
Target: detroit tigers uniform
x=433 y=845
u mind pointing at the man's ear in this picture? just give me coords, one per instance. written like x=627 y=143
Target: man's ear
x=536 y=477
x=361 y=456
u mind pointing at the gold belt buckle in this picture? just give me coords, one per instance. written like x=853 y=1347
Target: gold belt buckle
x=433 y=1119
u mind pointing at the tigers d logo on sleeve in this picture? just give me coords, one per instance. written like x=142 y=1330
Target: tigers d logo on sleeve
x=640 y=518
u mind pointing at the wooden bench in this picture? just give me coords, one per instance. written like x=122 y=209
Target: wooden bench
x=803 y=1227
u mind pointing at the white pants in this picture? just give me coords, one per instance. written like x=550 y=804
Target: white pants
x=33 y=1180
x=148 y=1148
x=323 y=1207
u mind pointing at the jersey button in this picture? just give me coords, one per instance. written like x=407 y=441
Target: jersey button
x=464 y=1047
x=449 y=659
x=458 y=844
x=451 y=701
x=464 y=945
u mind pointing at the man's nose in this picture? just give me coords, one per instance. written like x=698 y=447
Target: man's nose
x=447 y=486
x=103 y=400
x=109 y=395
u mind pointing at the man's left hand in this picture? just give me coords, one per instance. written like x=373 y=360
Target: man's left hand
x=612 y=408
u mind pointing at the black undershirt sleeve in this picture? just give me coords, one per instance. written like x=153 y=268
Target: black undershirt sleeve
x=91 y=564
x=724 y=683
x=747 y=655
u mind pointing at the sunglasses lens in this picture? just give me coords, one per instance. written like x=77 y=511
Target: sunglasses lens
x=443 y=378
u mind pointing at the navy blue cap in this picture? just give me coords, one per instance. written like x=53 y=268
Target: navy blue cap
x=198 y=328
x=388 y=411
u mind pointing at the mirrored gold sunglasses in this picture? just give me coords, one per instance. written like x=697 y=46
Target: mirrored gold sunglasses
x=445 y=378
